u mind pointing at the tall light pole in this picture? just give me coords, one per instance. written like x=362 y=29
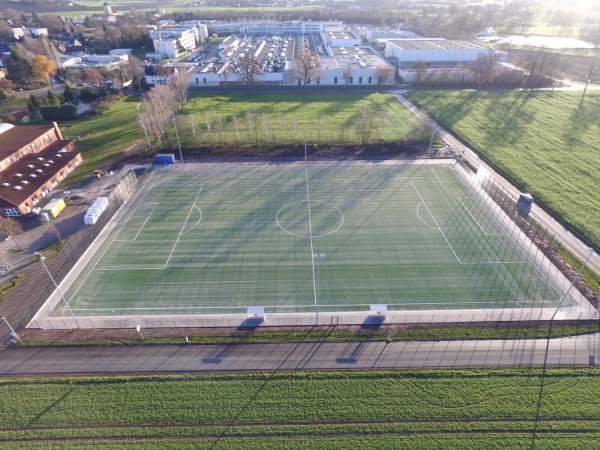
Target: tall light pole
x=178 y=143
x=42 y=259
x=564 y=296
x=13 y=332
x=432 y=135
x=318 y=257
x=144 y=127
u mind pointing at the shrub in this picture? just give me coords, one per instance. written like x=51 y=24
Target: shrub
x=106 y=103
x=68 y=111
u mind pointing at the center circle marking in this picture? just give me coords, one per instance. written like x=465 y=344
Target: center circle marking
x=322 y=234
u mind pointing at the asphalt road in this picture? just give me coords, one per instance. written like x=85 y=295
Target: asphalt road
x=162 y=359
x=568 y=239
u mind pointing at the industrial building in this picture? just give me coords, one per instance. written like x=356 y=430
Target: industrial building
x=448 y=57
x=33 y=160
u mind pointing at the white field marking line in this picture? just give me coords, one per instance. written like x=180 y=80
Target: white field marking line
x=302 y=236
x=472 y=217
x=140 y=230
x=422 y=220
x=183 y=226
x=199 y=220
x=436 y=223
x=166 y=308
x=312 y=252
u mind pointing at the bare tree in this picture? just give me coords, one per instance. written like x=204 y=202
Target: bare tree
x=305 y=67
x=250 y=69
x=364 y=123
x=11 y=227
x=540 y=65
x=421 y=67
x=134 y=71
x=347 y=74
x=225 y=74
x=483 y=69
x=181 y=83
x=158 y=110
x=383 y=74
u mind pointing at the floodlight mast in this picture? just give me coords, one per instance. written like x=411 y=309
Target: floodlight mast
x=432 y=135
x=12 y=330
x=42 y=260
x=564 y=296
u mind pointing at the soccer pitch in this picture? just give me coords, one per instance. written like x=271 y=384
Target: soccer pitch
x=216 y=238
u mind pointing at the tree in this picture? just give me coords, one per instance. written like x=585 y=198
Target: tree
x=4 y=97
x=224 y=74
x=33 y=104
x=158 y=111
x=250 y=69
x=42 y=68
x=181 y=83
x=134 y=71
x=305 y=67
x=421 y=67
x=19 y=69
x=91 y=76
x=483 y=69
x=347 y=74
x=53 y=99
x=68 y=94
x=11 y=227
x=383 y=74
x=364 y=123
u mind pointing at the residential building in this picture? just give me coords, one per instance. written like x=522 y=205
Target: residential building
x=33 y=160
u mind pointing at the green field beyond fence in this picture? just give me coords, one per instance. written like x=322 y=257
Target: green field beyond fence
x=218 y=237
x=542 y=140
x=267 y=120
x=475 y=409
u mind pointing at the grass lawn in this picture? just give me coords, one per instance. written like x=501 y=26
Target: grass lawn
x=228 y=120
x=491 y=409
x=14 y=103
x=103 y=136
x=538 y=140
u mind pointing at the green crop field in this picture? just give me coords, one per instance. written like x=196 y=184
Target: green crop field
x=219 y=237
x=265 y=120
x=538 y=139
x=491 y=409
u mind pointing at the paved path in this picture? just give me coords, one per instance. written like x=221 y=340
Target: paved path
x=562 y=233
x=184 y=358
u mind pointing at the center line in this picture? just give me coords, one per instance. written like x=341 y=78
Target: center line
x=312 y=252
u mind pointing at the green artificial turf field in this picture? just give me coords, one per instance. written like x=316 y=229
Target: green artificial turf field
x=219 y=237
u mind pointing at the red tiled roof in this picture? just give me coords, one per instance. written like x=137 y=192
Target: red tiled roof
x=34 y=168
x=18 y=137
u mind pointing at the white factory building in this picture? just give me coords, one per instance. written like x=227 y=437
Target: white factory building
x=448 y=56
x=273 y=27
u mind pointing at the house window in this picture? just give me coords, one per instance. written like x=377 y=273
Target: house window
x=204 y=80
x=334 y=80
x=318 y=80
x=299 y=81
x=197 y=81
x=370 y=80
x=351 y=80
x=308 y=80
x=359 y=80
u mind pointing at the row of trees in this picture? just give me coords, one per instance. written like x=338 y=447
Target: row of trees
x=262 y=129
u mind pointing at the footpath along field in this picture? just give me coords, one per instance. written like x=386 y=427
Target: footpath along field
x=510 y=408
x=541 y=140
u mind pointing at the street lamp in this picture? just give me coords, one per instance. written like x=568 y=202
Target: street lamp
x=562 y=298
x=144 y=127
x=42 y=259
x=12 y=331
x=318 y=257
x=432 y=135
